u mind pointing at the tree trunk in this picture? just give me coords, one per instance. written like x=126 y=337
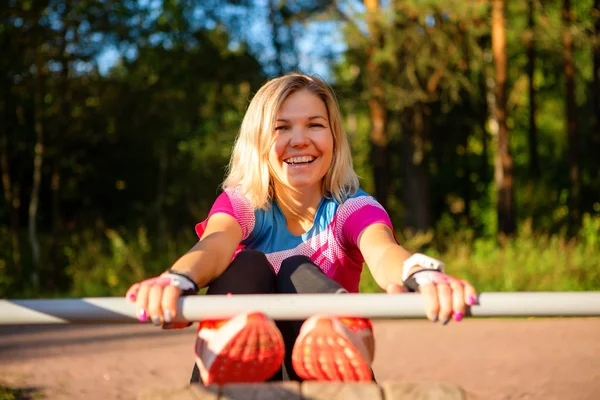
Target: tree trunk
x=573 y=140
x=380 y=158
x=10 y=197
x=38 y=158
x=275 y=27
x=161 y=189
x=534 y=163
x=467 y=192
x=505 y=204
x=415 y=178
x=487 y=115
x=53 y=275
x=596 y=82
x=60 y=130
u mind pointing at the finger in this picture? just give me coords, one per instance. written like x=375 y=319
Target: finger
x=132 y=292
x=430 y=298
x=169 y=302
x=394 y=288
x=470 y=293
x=445 y=298
x=154 y=304
x=141 y=302
x=458 y=299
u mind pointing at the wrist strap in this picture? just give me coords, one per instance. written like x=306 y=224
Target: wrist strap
x=424 y=277
x=411 y=283
x=189 y=280
x=188 y=287
x=423 y=261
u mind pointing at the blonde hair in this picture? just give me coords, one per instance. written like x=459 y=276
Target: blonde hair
x=248 y=169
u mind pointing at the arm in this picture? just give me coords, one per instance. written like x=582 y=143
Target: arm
x=212 y=254
x=383 y=255
x=444 y=297
x=202 y=263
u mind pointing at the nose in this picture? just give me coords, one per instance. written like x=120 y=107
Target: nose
x=299 y=137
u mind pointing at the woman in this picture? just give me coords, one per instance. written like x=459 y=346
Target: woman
x=292 y=219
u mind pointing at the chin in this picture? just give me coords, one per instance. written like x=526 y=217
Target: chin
x=301 y=185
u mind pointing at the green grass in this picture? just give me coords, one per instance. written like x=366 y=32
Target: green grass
x=529 y=262
x=8 y=393
x=106 y=264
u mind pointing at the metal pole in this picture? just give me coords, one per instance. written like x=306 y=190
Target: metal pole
x=297 y=306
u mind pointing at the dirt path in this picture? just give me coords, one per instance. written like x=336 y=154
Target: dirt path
x=495 y=359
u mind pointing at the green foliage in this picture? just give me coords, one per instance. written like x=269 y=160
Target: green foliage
x=107 y=266
x=10 y=393
x=431 y=52
x=532 y=262
x=133 y=156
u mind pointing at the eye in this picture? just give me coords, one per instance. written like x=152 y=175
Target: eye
x=316 y=126
x=282 y=128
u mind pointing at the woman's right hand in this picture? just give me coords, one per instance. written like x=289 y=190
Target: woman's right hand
x=156 y=298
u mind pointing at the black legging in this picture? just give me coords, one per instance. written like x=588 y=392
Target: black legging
x=251 y=273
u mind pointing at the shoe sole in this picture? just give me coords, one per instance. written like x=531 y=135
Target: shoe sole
x=252 y=354
x=324 y=354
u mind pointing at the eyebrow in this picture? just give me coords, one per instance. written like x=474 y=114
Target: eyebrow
x=309 y=118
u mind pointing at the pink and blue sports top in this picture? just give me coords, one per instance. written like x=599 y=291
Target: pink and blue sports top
x=331 y=243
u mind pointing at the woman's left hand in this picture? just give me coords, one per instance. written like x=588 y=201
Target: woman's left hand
x=445 y=297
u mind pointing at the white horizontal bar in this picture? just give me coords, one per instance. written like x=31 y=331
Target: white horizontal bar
x=297 y=307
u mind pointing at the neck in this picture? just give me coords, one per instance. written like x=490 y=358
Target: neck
x=299 y=205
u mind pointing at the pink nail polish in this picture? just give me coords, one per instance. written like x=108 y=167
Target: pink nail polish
x=132 y=296
x=458 y=316
x=471 y=300
x=143 y=316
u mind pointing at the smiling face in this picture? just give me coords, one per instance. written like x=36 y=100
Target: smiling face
x=302 y=149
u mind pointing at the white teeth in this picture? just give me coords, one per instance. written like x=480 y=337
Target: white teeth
x=299 y=160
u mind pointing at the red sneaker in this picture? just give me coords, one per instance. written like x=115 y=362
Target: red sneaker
x=334 y=349
x=246 y=348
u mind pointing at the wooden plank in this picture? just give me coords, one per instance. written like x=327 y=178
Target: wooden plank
x=313 y=390
x=261 y=391
x=202 y=392
x=422 y=391
x=192 y=392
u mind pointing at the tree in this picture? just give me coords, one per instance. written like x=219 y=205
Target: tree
x=534 y=163
x=429 y=63
x=505 y=203
x=596 y=79
x=38 y=159
x=8 y=114
x=571 y=118
x=380 y=157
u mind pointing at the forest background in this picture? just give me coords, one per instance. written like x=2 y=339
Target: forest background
x=475 y=123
